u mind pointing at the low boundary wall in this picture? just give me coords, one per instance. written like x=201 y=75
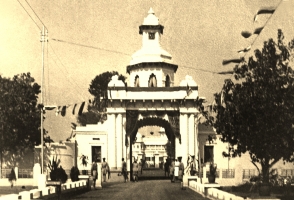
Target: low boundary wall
x=50 y=192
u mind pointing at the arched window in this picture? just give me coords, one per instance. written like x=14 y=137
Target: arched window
x=137 y=82
x=167 y=81
x=152 y=81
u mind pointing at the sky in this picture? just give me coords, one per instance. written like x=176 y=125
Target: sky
x=86 y=38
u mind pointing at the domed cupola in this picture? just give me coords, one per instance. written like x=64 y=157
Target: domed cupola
x=151 y=66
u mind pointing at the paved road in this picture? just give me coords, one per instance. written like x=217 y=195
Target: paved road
x=142 y=190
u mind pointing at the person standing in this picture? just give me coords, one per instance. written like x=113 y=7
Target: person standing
x=176 y=170
x=135 y=170
x=104 y=167
x=12 y=177
x=124 y=170
x=171 y=170
x=181 y=171
x=166 y=167
x=94 y=173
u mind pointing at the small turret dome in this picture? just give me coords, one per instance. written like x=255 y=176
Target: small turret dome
x=151 y=19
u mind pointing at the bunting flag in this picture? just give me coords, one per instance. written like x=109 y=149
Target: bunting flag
x=227 y=72
x=245 y=49
x=234 y=60
x=258 y=30
x=63 y=111
x=49 y=107
x=81 y=108
x=189 y=90
x=247 y=34
x=73 y=110
x=265 y=10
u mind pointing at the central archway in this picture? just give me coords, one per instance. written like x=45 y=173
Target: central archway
x=169 y=120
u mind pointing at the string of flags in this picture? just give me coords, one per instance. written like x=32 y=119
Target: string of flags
x=256 y=31
x=77 y=108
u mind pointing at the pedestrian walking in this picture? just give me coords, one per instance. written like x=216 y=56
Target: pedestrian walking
x=94 y=173
x=166 y=167
x=105 y=168
x=124 y=170
x=135 y=170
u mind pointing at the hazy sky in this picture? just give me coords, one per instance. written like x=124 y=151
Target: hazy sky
x=198 y=34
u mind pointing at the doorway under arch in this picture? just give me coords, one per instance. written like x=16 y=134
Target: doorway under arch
x=149 y=157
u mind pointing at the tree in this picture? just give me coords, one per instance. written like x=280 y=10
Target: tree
x=255 y=111
x=98 y=88
x=19 y=115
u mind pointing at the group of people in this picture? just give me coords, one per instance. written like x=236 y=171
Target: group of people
x=174 y=168
x=104 y=170
x=124 y=171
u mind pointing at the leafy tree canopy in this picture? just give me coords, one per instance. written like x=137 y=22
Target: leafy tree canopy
x=19 y=113
x=98 y=88
x=255 y=111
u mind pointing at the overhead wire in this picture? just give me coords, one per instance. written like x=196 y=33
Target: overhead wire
x=30 y=15
x=66 y=72
x=36 y=14
x=88 y=46
x=73 y=83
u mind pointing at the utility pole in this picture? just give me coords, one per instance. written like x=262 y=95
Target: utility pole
x=43 y=40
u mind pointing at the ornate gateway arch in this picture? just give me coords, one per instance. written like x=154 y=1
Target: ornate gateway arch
x=150 y=99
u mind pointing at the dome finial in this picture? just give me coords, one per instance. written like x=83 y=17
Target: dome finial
x=151 y=11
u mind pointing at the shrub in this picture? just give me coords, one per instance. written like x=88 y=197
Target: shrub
x=57 y=172
x=74 y=174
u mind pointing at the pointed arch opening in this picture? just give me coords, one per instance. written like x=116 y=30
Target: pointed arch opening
x=137 y=81
x=167 y=81
x=152 y=81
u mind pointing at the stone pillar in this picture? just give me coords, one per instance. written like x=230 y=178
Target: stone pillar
x=177 y=147
x=238 y=174
x=41 y=181
x=128 y=156
x=99 y=179
x=119 y=141
x=16 y=172
x=36 y=173
x=204 y=174
x=191 y=134
x=156 y=162
x=111 y=141
x=124 y=147
x=196 y=145
x=184 y=138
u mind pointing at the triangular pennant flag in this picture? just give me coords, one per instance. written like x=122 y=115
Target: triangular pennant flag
x=245 y=49
x=49 y=107
x=266 y=10
x=246 y=34
x=234 y=60
x=189 y=90
x=81 y=108
x=227 y=72
x=73 y=110
x=63 y=111
x=258 y=30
